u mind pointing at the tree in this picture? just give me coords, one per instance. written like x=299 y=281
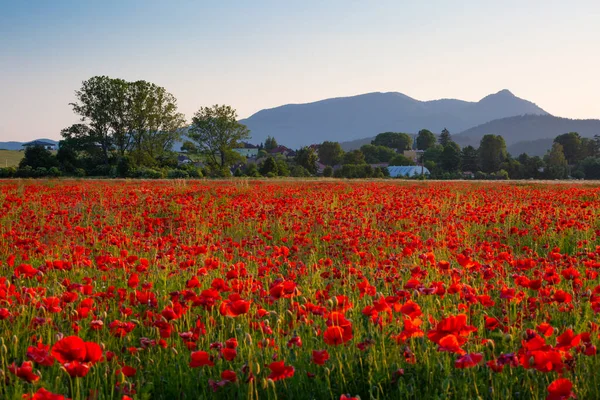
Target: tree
x=330 y=153
x=401 y=160
x=425 y=139
x=282 y=167
x=433 y=154
x=216 y=130
x=450 y=158
x=152 y=125
x=591 y=167
x=307 y=159
x=394 y=140
x=38 y=157
x=270 y=143
x=377 y=154
x=532 y=166
x=556 y=163
x=469 y=159
x=95 y=106
x=492 y=153
x=354 y=157
x=328 y=171
x=445 y=137
x=268 y=166
x=572 y=146
x=139 y=117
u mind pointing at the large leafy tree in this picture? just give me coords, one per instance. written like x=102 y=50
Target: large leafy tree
x=425 y=139
x=556 y=163
x=154 y=123
x=492 y=153
x=330 y=153
x=394 y=140
x=307 y=159
x=216 y=131
x=572 y=146
x=137 y=118
x=96 y=107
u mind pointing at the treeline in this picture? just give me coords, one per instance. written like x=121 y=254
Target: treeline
x=130 y=129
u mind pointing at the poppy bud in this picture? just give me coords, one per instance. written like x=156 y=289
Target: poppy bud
x=248 y=339
x=257 y=368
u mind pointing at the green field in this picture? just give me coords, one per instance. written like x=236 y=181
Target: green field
x=10 y=158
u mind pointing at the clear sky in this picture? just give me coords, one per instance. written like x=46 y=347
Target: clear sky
x=261 y=54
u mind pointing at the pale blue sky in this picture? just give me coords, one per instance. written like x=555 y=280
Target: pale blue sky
x=260 y=54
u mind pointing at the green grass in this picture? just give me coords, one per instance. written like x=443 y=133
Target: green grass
x=10 y=158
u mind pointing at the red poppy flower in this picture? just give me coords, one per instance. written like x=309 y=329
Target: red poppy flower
x=280 y=371
x=468 y=360
x=234 y=306
x=560 y=389
x=319 y=357
x=73 y=348
x=200 y=359
x=25 y=371
x=40 y=355
x=43 y=394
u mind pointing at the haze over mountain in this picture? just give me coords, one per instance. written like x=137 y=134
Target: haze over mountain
x=349 y=118
x=13 y=145
x=529 y=132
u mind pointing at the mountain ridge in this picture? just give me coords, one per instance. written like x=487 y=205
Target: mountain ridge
x=354 y=117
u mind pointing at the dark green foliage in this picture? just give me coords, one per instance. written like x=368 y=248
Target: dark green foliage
x=377 y=154
x=330 y=153
x=425 y=139
x=394 y=140
x=38 y=157
x=307 y=159
x=492 y=153
x=401 y=160
x=354 y=157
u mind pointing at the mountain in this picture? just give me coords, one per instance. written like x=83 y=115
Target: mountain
x=19 y=145
x=528 y=131
x=350 y=118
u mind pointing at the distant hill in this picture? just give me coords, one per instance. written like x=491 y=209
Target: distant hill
x=528 y=131
x=19 y=145
x=537 y=147
x=349 y=118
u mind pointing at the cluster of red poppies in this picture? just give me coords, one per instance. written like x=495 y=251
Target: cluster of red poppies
x=237 y=287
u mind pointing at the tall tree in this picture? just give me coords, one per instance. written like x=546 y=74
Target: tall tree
x=95 y=106
x=425 y=139
x=556 y=163
x=330 y=153
x=445 y=137
x=270 y=143
x=154 y=122
x=492 y=153
x=450 y=158
x=216 y=130
x=469 y=159
x=571 y=143
x=307 y=158
x=394 y=140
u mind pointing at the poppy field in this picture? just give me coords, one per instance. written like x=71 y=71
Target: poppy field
x=298 y=290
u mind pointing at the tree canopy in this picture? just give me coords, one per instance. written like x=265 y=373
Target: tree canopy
x=215 y=131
